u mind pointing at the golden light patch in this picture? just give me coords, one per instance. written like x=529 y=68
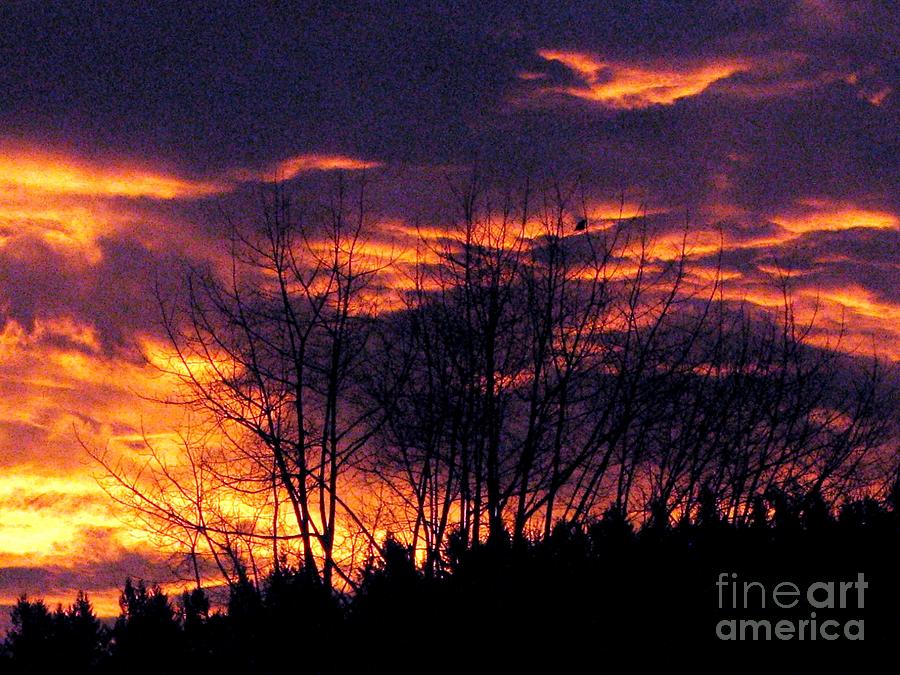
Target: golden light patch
x=761 y=296
x=70 y=204
x=55 y=378
x=165 y=360
x=66 y=228
x=673 y=245
x=14 y=337
x=45 y=514
x=294 y=166
x=59 y=523
x=850 y=319
x=37 y=172
x=823 y=216
x=626 y=86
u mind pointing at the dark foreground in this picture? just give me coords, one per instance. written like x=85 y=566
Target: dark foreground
x=597 y=598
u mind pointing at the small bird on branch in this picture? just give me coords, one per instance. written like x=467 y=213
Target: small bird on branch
x=581 y=225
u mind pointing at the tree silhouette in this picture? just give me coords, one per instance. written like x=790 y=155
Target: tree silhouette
x=147 y=634
x=83 y=637
x=30 y=640
x=40 y=641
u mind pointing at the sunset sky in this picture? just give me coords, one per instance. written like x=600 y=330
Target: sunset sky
x=125 y=132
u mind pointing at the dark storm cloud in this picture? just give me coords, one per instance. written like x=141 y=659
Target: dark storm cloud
x=215 y=85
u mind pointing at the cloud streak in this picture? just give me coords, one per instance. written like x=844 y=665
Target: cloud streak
x=35 y=172
x=626 y=86
x=293 y=167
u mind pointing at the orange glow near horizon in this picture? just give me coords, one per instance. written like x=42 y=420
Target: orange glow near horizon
x=32 y=523
x=626 y=86
x=60 y=523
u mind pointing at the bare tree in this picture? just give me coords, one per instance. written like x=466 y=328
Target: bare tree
x=269 y=356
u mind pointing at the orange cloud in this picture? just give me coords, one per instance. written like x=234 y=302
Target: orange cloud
x=704 y=242
x=55 y=374
x=14 y=337
x=56 y=378
x=858 y=300
x=64 y=227
x=39 y=172
x=764 y=296
x=64 y=525
x=868 y=323
x=294 y=166
x=820 y=215
x=43 y=514
x=69 y=203
x=34 y=171
x=850 y=318
x=625 y=86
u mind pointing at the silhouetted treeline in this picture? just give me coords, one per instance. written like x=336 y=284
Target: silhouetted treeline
x=594 y=593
